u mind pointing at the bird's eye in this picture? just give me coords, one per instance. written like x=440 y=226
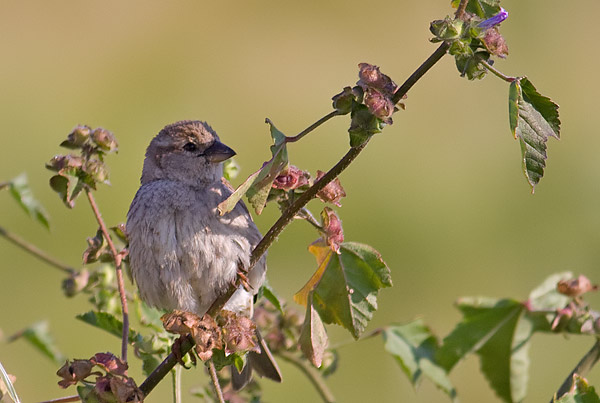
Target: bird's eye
x=190 y=147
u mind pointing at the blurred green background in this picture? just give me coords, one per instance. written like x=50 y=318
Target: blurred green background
x=440 y=193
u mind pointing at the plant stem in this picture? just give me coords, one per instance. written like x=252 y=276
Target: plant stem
x=120 y=284
x=176 y=384
x=312 y=127
x=460 y=11
x=164 y=367
x=215 y=381
x=491 y=69
x=311 y=373
x=582 y=368
x=40 y=254
x=63 y=399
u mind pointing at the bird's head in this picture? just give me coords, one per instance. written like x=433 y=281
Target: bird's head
x=187 y=151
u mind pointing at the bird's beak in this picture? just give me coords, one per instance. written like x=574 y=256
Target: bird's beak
x=218 y=152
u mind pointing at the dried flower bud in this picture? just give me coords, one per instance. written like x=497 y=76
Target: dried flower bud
x=239 y=333
x=97 y=170
x=62 y=163
x=291 y=178
x=104 y=139
x=371 y=77
x=75 y=371
x=575 y=287
x=75 y=283
x=494 y=42
x=379 y=105
x=342 y=102
x=110 y=363
x=333 y=192
x=125 y=390
x=332 y=228
x=78 y=137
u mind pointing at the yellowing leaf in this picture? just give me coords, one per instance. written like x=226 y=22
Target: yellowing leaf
x=344 y=288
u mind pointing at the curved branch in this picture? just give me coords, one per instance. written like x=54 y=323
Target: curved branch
x=311 y=373
x=582 y=368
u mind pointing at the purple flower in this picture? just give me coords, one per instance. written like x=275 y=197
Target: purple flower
x=495 y=20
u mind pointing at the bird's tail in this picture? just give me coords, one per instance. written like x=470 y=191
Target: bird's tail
x=263 y=363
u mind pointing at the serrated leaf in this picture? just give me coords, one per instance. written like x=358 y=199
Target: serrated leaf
x=20 y=190
x=313 y=336
x=68 y=188
x=6 y=386
x=505 y=360
x=533 y=119
x=499 y=332
x=38 y=335
x=344 y=288
x=582 y=392
x=109 y=323
x=482 y=8
x=482 y=319
x=258 y=185
x=414 y=346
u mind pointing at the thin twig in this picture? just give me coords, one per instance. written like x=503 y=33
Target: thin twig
x=497 y=73
x=312 y=127
x=120 y=284
x=63 y=399
x=176 y=384
x=40 y=254
x=215 y=380
x=311 y=373
x=582 y=368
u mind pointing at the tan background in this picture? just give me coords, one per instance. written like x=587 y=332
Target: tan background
x=440 y=194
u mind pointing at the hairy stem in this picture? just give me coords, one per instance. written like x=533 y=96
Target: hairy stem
x=311 y=373
x=40 y=254
x=311 y=127
x=497 y=73
x=120 y=283
x=460 y=11
x=215 y=381
x=582 y=368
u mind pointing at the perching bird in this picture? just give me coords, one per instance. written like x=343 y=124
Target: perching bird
x=183 y=254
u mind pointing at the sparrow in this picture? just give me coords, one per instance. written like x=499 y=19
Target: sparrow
x=183 y=254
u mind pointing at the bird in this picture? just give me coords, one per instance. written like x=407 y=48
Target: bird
x=183 y=254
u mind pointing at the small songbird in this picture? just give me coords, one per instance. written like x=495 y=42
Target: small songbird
x=183 y=254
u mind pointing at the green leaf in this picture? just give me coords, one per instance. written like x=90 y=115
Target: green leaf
x=20 y=190
x=259 y=184
x=414 y=346
x=363 y=126
x=313 y=336
x=87 y=393
x=482 y=8
x=267 y=292
x=533 y=118
x=582 y=392
x=6 y=386
x=38 y=335
x=109 y=323
x=496 y=331
x=259 y=191
x=345 y=286
x=68 y=188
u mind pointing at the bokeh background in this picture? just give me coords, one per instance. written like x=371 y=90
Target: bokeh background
x=440 y=193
